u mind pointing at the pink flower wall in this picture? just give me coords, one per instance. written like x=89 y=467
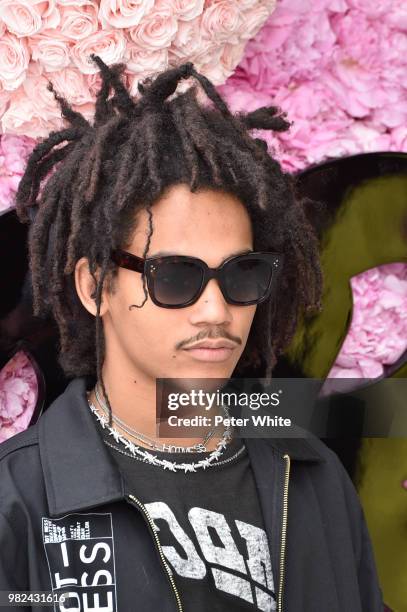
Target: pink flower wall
x=339 y=70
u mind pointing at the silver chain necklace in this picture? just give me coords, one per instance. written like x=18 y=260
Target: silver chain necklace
x=173 y=466
x=217 y=464
x=200 y=447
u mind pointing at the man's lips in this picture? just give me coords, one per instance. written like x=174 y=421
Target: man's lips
x=214 y=344
x=204 y=353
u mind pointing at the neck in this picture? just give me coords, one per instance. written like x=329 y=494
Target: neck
x=133 y=400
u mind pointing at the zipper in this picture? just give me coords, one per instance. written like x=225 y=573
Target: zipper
x=283 y=533
x=160 y=550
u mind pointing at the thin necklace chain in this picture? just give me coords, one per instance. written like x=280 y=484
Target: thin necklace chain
x=164 y=463
x=217 y=464
x=200 y=447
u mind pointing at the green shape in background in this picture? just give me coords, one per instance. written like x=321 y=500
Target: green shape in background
x=384 y=502
x=367 y=229
x=366 y=232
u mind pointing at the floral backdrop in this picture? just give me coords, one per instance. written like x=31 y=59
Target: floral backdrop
x=337 y=67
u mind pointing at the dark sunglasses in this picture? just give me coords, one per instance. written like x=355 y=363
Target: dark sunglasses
x=176 y=281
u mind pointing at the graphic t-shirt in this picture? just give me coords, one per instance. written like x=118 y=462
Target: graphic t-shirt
x=209 y=524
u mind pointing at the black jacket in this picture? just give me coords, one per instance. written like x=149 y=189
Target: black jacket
x=58 y=481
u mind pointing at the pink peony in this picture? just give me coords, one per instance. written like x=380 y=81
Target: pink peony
x=342 y=82
x=18 y=395
x=13 y=157
x=377 y=335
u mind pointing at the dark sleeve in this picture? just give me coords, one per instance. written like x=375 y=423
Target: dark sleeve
x=371 y=595
x=13 y=563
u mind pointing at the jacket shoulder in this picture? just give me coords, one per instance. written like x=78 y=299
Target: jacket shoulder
x=21 y=440
x=30 y=436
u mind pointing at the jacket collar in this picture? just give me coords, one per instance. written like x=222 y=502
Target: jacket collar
x=78 y=470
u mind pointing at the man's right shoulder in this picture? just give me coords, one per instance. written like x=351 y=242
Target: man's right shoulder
x=19 y=443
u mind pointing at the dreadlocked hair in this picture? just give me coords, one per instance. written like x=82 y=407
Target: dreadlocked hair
x=102 y=174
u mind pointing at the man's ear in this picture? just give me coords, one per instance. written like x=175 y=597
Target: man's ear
x=85 y=286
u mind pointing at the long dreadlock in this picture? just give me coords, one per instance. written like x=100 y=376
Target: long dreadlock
x=102 y=174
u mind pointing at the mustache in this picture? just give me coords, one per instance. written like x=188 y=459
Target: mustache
x=209 y=336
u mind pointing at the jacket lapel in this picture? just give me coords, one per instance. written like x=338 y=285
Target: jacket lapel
x=78 y=470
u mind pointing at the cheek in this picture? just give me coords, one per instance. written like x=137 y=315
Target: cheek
x=245 y=315
x=150 y=328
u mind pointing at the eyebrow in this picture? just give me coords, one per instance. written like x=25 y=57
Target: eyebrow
x=166 y=253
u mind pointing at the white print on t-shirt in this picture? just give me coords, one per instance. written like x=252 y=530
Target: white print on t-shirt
x=80 y=554
x=255 y=582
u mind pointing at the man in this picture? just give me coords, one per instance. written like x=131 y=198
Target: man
x=93 y=504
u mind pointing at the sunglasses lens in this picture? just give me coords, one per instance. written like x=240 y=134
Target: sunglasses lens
x=176 y=283
x=248 y=280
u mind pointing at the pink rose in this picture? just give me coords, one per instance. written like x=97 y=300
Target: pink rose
x=14 y=58
x=143 y=60
x=231 y=56
x=188 y=41
x=157 y=30
x=4 y=100
x=87 y=110
x=223 y=22
x=22 y=18
x=74 y=2
x=27 y=17
x=110 y=45
x=72 y=85
x=36 y=88
x=51 y=53
x=80 y=22
x=253 y=20
x=245 y=5
x=94 y=82
x=211 y=66
x=133 y=81
x=187 y=9
x=123 y=13
x=25 y=118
